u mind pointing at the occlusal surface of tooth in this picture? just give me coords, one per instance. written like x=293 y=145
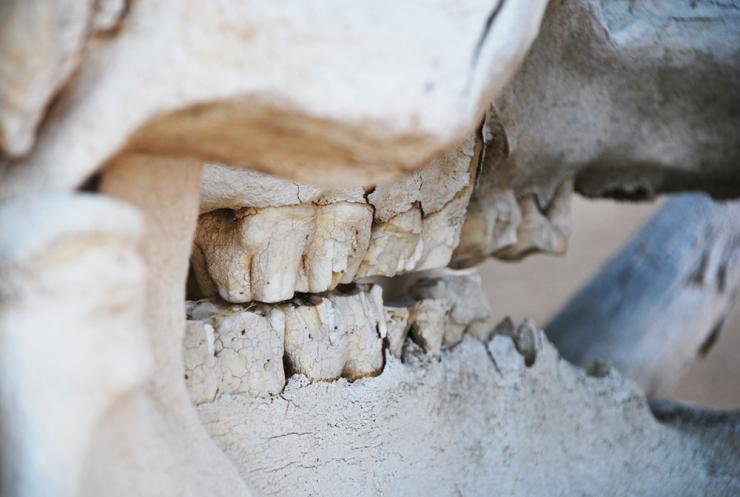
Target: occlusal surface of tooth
x=338 y=335
x=232 y=350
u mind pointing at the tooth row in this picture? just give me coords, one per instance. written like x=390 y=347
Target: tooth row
x=313 y=241
x=500 y=224
x=234 y=349
x=268 y=254
x=250 y=349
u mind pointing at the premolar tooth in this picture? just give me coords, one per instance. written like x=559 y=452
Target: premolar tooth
x=428 y=324
x=543 y=230
x=397 y=326
x=497 y=225
x=440 y=232
x=469 y=310
x=490 y=225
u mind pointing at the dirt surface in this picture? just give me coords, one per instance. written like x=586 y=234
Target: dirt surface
x=538 y=286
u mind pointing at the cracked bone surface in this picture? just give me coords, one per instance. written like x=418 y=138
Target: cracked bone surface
x=482 y=423
x=331 y=103
x=279 y=237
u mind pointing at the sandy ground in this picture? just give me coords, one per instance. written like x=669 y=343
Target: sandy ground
x=538 y=286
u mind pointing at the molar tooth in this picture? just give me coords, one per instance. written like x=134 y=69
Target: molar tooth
x=395 y=245
x=245 y=356
x=257 y=255
x=339 y=336
x=338 y=243
x=276 y=239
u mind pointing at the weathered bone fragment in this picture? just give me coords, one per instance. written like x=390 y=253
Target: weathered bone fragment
x=73 y=347
x=630 y=98
x=337 y=335
x=654 y=305
x=222 y=62
x=481 y=399
x=227 y=187
x=232 y=350
x=40 y=45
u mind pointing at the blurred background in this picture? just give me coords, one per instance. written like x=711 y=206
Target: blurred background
x=539 y=285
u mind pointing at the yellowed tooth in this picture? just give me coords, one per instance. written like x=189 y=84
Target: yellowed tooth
x=232 y=350
x=337 y=335
x=254 y=254
x=395 y=245
x=338 y=243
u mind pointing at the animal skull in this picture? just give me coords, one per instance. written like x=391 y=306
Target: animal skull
x=281 y=162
